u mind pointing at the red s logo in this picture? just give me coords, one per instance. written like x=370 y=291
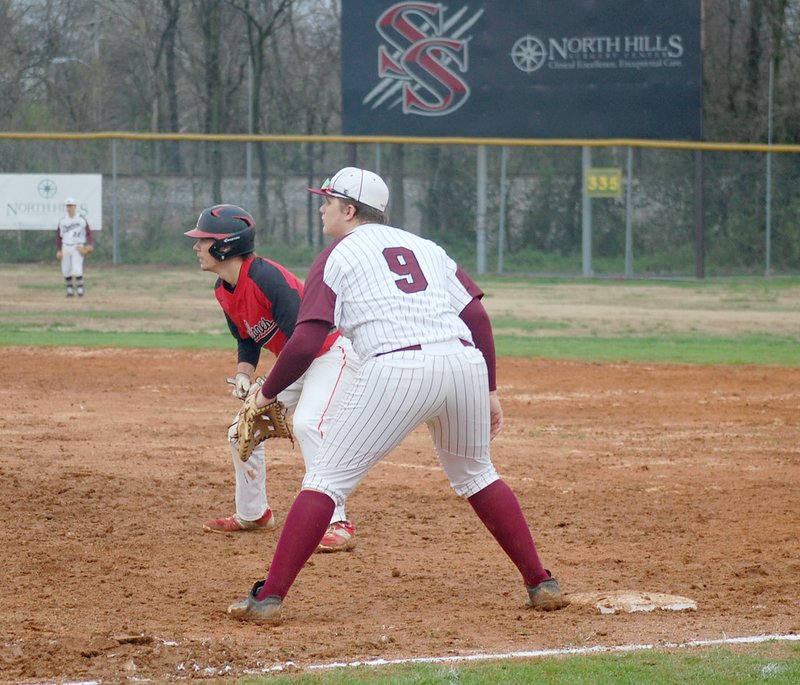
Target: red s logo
x=420 y=61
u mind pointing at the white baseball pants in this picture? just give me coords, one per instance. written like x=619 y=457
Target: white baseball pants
x=71 y=261
x=444 y=385
x=311 y=401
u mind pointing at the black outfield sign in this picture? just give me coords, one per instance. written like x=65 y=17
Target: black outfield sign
x=523 y=68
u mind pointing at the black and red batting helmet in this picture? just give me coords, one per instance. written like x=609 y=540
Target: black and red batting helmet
x=233 y=229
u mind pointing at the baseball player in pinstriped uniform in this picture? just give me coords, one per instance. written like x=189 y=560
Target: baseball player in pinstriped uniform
x=261 y=300
x=427 y=350
x=73 y=230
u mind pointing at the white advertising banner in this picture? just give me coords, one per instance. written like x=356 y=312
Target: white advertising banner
x=35 y=202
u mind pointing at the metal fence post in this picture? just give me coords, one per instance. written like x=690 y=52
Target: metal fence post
x=629 y=218
x=768 y=191
x=115 y=258
x=586 y=213
x=699 y=225
x=481 y=218
x=501 y=230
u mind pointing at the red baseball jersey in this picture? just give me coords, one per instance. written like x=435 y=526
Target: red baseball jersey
x=261 y=309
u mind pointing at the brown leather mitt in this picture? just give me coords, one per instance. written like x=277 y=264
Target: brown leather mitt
x=256 y=424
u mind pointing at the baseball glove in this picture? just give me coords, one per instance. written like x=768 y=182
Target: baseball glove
x=256 y=424
x=85 y=249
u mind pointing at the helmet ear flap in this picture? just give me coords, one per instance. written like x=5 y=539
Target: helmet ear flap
x=224 y=248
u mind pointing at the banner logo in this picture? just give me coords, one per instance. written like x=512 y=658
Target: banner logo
x=47 y=188
x=641 y=51
x=423 y=60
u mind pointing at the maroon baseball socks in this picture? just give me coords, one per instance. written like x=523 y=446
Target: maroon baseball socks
x=498 y=508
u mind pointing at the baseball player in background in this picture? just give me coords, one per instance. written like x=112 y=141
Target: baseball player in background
x=425 y=340
x=261 y=299
x=73 y=240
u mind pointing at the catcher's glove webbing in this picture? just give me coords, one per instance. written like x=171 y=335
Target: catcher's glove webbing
x=257 y=424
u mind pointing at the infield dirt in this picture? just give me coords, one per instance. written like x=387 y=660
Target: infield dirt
x=652 y=477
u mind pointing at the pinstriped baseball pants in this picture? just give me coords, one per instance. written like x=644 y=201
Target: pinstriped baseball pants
x=443 y=385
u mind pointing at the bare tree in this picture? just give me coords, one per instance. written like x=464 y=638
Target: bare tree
x=138 y=36
x=262 y=19
x=167 y=48
x=742 y=37
x=18 y=72
x=306 y=94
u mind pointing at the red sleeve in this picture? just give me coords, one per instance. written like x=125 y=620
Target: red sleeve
x=58 y=239
x=296 y=356
x=477 y=320
x=319 y=301
x=470 y=285
x=89 y=239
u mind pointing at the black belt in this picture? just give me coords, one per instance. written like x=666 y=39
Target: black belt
x=411 y=348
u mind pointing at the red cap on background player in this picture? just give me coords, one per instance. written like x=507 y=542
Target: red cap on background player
x=358 y=185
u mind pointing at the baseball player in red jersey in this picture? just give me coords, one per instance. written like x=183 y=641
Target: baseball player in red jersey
x=72 y=230
x=427 y=350
x=261 y=300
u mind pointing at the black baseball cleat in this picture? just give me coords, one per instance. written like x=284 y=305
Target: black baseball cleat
x=546 y=596
x=267 y=610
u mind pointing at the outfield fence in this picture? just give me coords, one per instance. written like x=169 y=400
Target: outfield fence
x=667 y=208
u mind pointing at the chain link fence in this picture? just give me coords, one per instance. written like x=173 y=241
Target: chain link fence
x=682 y=211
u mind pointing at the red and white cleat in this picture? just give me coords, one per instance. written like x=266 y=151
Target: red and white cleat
x=233 y=524
x=340 y=537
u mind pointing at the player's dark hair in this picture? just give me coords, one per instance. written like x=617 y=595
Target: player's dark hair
x=368 y=214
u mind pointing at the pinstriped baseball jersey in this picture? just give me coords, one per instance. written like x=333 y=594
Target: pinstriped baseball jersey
x=386 y=288
x=73 y=230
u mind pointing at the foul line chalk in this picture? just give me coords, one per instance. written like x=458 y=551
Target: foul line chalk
x=566 y=651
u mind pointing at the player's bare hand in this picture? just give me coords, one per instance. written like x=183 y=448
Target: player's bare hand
x=496 y=415
x=58 y=255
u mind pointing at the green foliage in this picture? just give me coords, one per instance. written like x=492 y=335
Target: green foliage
x=34 y=116
x=28 y=246
x=447 y=207
x=549 y=202
x=679 y=260
x=534 y=261
x=300 y=256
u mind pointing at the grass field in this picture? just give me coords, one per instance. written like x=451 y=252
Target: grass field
x=747 y=321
